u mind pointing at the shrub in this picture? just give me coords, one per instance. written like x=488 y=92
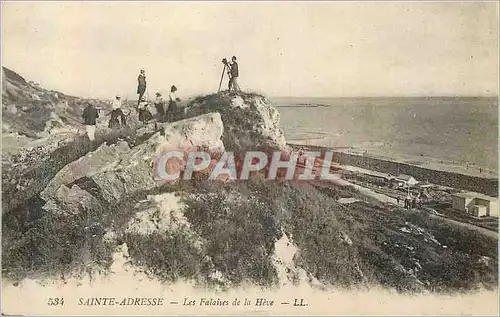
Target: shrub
x=169 y=256
x=55 y=246
x=240 y=252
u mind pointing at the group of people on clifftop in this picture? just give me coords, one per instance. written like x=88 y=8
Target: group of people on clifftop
x=164 y=112
x=118 y=118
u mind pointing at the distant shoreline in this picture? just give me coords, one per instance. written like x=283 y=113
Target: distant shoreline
x=385 y=97
x=423 y=162
x=440 y=174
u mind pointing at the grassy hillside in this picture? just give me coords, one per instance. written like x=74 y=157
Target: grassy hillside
x=239 y=223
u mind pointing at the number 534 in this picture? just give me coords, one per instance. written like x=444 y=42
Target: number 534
x=54 y=301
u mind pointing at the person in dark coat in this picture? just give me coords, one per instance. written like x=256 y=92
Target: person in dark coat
x=144 y=113
x=90 y=114
x=160 y=107
x=234 y=73
x=141 y=85
x=173 y=108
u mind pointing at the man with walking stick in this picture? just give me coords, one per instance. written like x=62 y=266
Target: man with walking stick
x=141 y=85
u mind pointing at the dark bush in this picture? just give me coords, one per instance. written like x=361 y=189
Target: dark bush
x=169 y=255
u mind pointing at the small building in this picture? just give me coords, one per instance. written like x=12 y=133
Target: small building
x=475 y=204
x=404 y=180
x=478 y=211
x=462 y=201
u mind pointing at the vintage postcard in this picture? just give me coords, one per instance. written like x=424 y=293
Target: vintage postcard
x=244 y=158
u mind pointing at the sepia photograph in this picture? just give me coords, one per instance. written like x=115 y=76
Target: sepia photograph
x=249 y=158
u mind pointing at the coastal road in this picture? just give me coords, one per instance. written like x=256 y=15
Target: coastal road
x=368 y=192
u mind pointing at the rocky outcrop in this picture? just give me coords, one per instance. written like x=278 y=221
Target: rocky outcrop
x=203 y=131
x=250 y=120
x=71 y=201
x=117 y=171
x=92 y=163
x=132 y=173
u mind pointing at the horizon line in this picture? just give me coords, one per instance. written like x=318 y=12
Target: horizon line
x=391 y=96
x=190 y=96
x=285 y=96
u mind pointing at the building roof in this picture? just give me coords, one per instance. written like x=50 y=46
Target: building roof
x=404 y=177
x=464 y=195
x=474 y=195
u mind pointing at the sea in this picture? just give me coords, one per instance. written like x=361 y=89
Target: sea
x=461 y=130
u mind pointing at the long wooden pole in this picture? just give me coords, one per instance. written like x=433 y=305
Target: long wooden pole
x=221 y=77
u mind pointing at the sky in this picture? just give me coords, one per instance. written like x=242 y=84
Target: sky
x=307 y=49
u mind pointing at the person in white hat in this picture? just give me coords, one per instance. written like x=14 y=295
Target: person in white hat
x=117 y=113
x=117 y=103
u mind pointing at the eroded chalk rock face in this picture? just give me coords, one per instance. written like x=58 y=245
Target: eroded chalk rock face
x=288 y=272
x=271 y=118
x=203 y=131
x=133 y=172
x=71 y=200
x=117 y=171
x=250 y=121
x=100 y=159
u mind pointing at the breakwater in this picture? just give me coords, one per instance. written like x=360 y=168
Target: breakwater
x=486 y=186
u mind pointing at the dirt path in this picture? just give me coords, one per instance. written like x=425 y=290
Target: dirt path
x=486 y=232
x=342 y=182
x=368 y=192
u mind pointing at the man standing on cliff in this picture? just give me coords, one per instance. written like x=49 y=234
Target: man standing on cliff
x=90 y=114
x=233 y=75
x=141 y=85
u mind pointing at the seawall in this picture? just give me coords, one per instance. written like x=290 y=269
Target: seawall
x=486 y=186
